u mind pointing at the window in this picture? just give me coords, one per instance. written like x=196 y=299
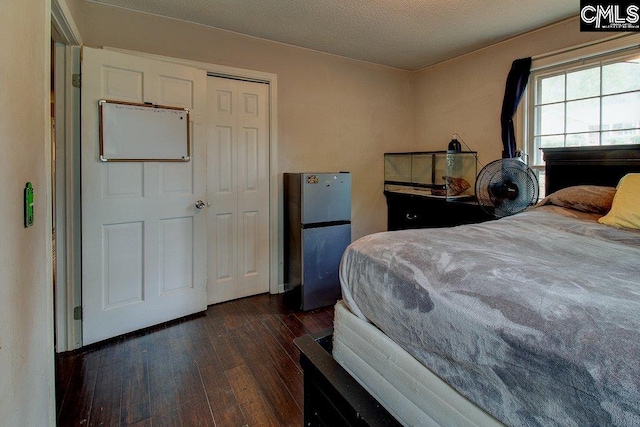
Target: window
x=583 y=102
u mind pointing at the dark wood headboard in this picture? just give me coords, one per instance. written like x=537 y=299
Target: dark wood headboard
x=602 y=165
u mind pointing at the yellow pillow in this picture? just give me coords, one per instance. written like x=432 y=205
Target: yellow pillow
x=625 y=210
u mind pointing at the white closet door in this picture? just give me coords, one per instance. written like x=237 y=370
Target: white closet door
x=143 y=240
x=237 y=188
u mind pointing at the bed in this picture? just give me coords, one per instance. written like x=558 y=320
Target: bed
x=530 y=320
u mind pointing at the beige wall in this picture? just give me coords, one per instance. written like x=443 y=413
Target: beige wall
x=339 y=114
x=26 y=303
x=333 y=113
x=464 y=95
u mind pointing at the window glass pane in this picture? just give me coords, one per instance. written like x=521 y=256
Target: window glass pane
x=535 y=156
x=550 y=119
x=551 y=89
x=621 y=137
x=620 y=77
x=543 y=142
x=621 y=111
x=551 y=141
x=541 y=183
x=583 y=83
x=583 y=139
x=584 y=115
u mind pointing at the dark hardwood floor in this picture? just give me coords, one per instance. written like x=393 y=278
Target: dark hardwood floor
x=234 y=366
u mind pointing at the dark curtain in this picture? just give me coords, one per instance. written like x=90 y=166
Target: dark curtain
x=516 y=84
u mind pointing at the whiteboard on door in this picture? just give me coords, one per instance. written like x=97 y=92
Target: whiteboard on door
x=131 y=132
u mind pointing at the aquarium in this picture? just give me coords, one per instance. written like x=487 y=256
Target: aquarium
x=432 y=173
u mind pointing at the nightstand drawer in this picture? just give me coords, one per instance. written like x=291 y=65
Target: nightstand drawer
x=406 y=211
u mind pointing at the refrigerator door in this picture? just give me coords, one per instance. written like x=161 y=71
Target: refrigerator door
x=322 y=251
x=326 y=197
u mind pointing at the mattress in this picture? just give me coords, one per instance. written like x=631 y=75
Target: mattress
x=408 y=390
x=535 y=318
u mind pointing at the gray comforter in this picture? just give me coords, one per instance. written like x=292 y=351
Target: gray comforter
x=535 y=317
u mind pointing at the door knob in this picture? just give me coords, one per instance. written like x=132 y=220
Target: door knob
x=200 y=204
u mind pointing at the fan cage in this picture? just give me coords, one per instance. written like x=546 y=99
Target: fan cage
x=506 y=186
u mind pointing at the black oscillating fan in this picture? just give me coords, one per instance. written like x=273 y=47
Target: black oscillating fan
x=506 y=186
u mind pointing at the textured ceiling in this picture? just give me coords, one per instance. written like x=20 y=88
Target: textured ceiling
x=406 y=34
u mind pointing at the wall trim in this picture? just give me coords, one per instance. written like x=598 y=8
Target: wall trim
x=585 y=51
x=64 y=24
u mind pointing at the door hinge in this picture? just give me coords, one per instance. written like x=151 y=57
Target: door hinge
x=76 y=80
x=77 y=313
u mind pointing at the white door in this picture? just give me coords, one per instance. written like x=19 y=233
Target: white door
x=143 y=240
x=237 y=188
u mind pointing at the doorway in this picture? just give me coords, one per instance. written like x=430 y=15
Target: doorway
x=65 y=57
x=71 y=293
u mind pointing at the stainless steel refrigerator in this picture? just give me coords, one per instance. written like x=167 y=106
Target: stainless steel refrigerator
x=317 y=224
